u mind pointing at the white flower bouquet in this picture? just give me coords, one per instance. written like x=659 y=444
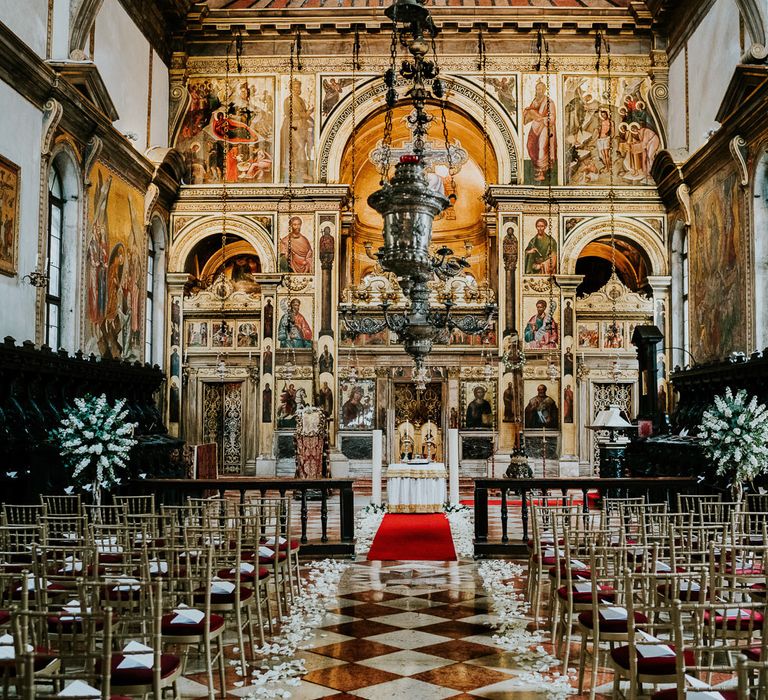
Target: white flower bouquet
x=94 y=441
x=734 y=434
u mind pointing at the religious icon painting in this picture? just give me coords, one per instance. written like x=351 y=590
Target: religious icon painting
x=540 y=251
x=228 y=132
x=542 y=328
x=541 y=410
x=588 y=335
x=612 y=338
x=504 y=88
x=241 y=268
x=222 y=334
x=292 y=396
x=297 y=128
x=540 y=128
x=478 y=404
x=115 y=267
x=247 y=334
x=9 y=216
x=296 y=247
x=357 y=404
x=295 y=318
x=333 y=89
x=197 y=334
x=365 y=339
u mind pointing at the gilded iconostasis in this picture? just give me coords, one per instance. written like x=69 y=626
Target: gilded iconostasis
x=271 y=239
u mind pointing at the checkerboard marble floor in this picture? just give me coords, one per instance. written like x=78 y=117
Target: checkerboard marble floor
x=403 y=630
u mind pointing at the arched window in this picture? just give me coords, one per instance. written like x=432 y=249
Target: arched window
x=150 y=309
x=684 y=289
x=53 y=264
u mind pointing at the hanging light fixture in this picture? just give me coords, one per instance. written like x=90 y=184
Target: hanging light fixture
x=409 y=203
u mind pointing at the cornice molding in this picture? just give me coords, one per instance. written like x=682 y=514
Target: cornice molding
x=38 y=82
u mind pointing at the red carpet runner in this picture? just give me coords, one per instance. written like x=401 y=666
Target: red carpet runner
x=413 y=537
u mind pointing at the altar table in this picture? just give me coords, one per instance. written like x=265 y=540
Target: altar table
x=416 y=487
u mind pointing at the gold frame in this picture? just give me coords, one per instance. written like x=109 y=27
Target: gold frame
x=11 y=268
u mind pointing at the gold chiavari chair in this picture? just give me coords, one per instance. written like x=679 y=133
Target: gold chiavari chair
x=229 y=594
x=606 y=621
x=104 y=514
x=22 y=514
x=704 y=651
x=188 y=621
x=648 y=658
x=62 y=504
x=756 y=502
x=136 y=505
x=752 y=679
x=138 y=665
x=541 y=552
x=64 y=530
x=84 y=647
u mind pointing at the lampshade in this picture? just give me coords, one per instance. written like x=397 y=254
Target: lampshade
x=610 y=419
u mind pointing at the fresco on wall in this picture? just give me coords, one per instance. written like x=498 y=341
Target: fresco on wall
x=540 y=129
x=333 y=88
x=9 y=216
x=300 y=100
x=356 y=405
x=608 y=128
x=116 y=251
x=717 y=279
x=228 y=132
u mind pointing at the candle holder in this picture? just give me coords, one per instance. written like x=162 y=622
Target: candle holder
x=37 y=278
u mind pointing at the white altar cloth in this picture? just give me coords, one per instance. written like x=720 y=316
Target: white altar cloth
x=416 y=487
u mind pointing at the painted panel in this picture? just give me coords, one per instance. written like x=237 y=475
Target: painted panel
x=116 y=252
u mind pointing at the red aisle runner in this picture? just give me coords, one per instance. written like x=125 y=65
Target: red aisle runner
x=413 y=537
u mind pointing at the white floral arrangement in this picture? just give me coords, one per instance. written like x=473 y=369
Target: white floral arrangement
x=94 y=441
x=734 y=434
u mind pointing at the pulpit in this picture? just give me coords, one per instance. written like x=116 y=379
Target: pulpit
x=417 y=486
x=311 y=443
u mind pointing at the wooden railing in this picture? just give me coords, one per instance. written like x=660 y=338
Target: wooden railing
x=175 y=491
x=657 y=489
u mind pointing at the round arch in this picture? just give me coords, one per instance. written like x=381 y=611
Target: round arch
x=464 y=94
x=250 y=231
x=640 y=233
x=65 y=161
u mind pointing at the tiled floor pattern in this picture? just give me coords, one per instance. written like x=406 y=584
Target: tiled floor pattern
x=404 y=630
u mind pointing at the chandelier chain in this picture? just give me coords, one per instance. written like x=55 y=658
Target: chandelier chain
x=390 y=79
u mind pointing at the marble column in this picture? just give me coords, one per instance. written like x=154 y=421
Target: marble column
x=176 y=354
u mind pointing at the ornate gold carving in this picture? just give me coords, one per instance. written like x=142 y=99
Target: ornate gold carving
x=52 y=114
x=601 y=302
x=740 y=152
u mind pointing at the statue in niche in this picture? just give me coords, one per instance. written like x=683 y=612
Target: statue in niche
x=325 y=400
x=267 y=360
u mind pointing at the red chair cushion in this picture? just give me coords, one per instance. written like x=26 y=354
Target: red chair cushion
x=171 y=629
x=575 y=573
x=757 y=591
x=70 y=626
x=281 y=556
x=606 y=593
x=223 y=598
x=665 y=590
x=43 y=657
x=5 y=617
x=587 y=619
x=657 y=666
x=169 y=664
x=753 y=654
x=671 y=694
x=292 y=543
x=736 y=620
x=260 y=572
